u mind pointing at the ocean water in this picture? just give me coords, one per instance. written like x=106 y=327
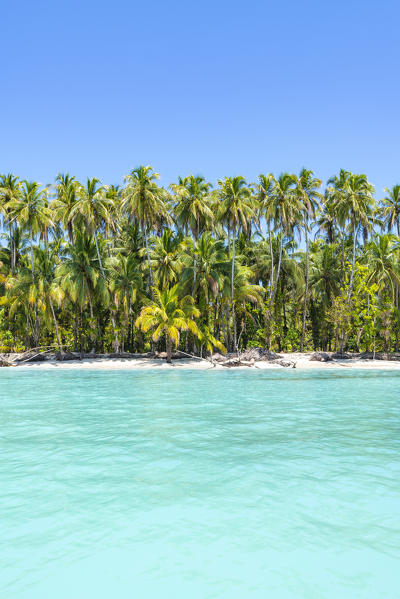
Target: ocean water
x=199 y=484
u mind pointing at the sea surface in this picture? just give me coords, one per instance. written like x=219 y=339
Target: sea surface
x=199 y=484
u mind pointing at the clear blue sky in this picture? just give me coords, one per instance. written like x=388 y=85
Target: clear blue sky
x=211 y=87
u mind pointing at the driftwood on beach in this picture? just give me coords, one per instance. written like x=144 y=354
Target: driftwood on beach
x=249 y=358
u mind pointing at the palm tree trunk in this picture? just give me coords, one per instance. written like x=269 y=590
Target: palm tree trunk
x=103 y=274
x=148 y=258
x=342 y=260
x=232 y=287
x=12 y=248
x=353 y=263
x=303 y=332
x=99 y=257
x=271 y=252
x=36 y=330
x=169 y=349
x=55 y=326
x=278 y=270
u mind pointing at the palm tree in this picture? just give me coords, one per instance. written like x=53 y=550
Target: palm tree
x=286 y=211
x=168 y=315
x=212 y=268
x=265 y=200
x=324 y=271
x=10 y=189
x=31 y=210
x=237 y=210
x=95 y=207
x=381 y=257
x=166 y=258
x=193 y=209
x=391 y=208
x=209 y=342
x=335 y=197
x=391 y=213
x=125 y=286
x=64 y=203
x=144 y=200
x=309 y=197
x=79 y=275
x=356 y=205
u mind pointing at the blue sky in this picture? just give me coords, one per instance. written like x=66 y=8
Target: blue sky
x=217 y=88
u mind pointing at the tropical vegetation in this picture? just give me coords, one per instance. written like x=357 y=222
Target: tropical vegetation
x=283 y=262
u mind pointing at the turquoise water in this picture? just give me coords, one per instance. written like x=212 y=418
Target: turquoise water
x=185 y=484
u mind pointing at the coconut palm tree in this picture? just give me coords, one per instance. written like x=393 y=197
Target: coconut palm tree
x=381 y=256
x=208 y=341
x=167 y=315
x=193 y=208
x=356 y=205
x=335 y=198
x=64 y=202
x=286 y=211
x=94 y=206
x=213 y=267
x=391 y=208
x=30 y=209
x=307 y=187
x=166 y=258
x=144 y=200
x=237 y=211
x=10 y=189
x=125 y=287
x=79 y=275
x=265 y=188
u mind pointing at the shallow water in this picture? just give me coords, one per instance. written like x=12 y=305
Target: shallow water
x=199 y=484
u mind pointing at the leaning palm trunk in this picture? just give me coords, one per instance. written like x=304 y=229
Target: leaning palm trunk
x=103 y=274
x=232 y=288
x=36 y=327
x=353 y=262
x=278 y=269
x=169 y=349
x=144 y=229
x=271 y=252
x=55 y=326
x=303 y=332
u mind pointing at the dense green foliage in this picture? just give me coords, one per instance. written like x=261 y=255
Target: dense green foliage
x=282 y=263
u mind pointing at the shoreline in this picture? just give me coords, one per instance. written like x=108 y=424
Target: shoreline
x=300 y=361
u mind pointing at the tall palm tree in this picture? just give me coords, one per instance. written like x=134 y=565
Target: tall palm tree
x=391 y=208
x=265 y=199
x=79 y=275
x=10 y=189
x=94 y=206
x=166 y=258
x=212 y=268
x=64 y=202
x=125 y=286
x=286 y=211
x=193 y=208
x=356 y=205
x=144 y=200
x=307 y=187
x=335 y=198
x=168 y=314
x=237 y=210
x=381 y=257
x=31 y=210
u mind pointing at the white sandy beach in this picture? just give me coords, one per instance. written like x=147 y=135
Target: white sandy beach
x=301 y=361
